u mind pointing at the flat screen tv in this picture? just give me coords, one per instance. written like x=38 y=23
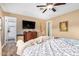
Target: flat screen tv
x=28 y=24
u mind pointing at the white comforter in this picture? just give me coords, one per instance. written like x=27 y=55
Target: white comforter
x=56 y=47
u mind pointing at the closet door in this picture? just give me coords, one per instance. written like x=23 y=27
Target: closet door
x=10 y=29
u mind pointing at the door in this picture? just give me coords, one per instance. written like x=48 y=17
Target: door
x=10 y=29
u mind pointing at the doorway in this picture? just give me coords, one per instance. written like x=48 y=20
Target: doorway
x=49 y=28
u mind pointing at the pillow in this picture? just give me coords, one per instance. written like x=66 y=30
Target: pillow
x=41 y=39
x=38 y=40
x=20 y=45
x=45 y=38
x=30 y=43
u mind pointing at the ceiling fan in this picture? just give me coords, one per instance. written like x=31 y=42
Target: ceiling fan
x=50 y=6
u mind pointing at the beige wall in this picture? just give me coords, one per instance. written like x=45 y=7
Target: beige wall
x=19 y=23
x=0 y=34
x=73 y=25
x=0 y=43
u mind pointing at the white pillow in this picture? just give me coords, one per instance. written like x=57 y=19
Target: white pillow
x=30 y=43
x=20 y=46
x=38 y=40
x=41 y=39
x=45 y=38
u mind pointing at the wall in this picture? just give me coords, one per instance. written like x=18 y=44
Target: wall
x=73 y=25
x=0 y=34
x=19 y=23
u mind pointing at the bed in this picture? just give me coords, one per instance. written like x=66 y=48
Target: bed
x=48 y=46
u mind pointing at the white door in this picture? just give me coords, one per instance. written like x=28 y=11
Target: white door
x=10 y=29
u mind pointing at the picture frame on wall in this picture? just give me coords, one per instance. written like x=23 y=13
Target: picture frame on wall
x=63 y=26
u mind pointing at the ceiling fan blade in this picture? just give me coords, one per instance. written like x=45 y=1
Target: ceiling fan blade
x=41 y=6
x=44 y=10
x=57 y=4
x=54 y=9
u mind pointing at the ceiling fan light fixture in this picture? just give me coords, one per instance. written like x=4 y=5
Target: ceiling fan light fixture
x=49 y=7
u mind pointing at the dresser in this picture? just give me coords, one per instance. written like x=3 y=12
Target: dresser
x=29 y=35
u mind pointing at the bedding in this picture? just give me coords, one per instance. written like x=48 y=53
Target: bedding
x=51 y=47
x=74 y=42
x=21 y=45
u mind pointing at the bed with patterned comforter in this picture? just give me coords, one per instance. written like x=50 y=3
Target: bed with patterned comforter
x=52 y=47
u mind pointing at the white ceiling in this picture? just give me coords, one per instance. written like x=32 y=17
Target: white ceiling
x=30 y=9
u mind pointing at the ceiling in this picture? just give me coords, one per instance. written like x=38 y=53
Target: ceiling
x=30 y=9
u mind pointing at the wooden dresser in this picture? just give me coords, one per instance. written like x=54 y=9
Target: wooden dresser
x=29 y=35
